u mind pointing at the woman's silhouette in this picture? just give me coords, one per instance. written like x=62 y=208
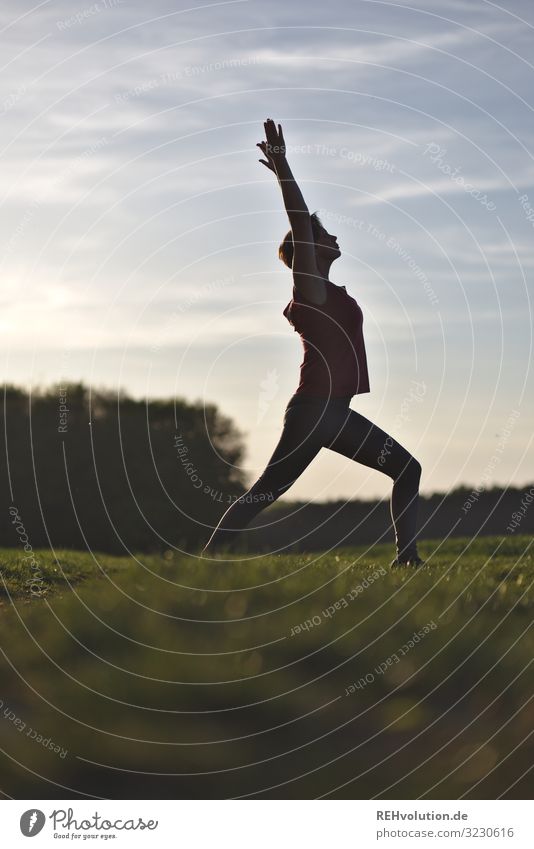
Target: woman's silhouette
x=334 y=369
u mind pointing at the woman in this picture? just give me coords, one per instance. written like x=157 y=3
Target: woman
x=333 y=370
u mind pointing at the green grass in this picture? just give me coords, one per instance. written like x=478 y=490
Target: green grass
x=47 y=573
x=173 y=677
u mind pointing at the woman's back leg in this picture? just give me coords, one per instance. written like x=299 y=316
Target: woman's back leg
x=302 y=437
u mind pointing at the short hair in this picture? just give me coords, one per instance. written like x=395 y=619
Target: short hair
x=286 y=249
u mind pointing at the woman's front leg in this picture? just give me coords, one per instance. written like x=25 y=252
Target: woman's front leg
x=365 y=442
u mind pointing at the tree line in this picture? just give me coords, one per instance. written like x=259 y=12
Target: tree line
x=88 y=468
x=96 y=469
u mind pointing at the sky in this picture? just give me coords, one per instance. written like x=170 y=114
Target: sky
x=139 y=232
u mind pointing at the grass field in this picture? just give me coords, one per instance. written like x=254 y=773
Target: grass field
x=292 y=676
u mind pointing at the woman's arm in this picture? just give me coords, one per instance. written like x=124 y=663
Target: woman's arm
x=306 y=276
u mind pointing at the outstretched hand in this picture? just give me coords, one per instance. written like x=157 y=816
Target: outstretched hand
x=274 y=148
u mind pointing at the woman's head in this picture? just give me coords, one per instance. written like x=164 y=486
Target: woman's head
x=326 y=247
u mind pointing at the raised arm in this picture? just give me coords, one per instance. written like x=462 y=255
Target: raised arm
x=306 y=276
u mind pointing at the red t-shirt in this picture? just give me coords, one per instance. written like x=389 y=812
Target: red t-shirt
x=335 y=362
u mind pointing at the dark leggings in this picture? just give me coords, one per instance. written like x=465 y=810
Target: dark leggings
x=314 y=423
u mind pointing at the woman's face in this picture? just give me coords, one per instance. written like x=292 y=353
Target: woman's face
x=326 y=245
